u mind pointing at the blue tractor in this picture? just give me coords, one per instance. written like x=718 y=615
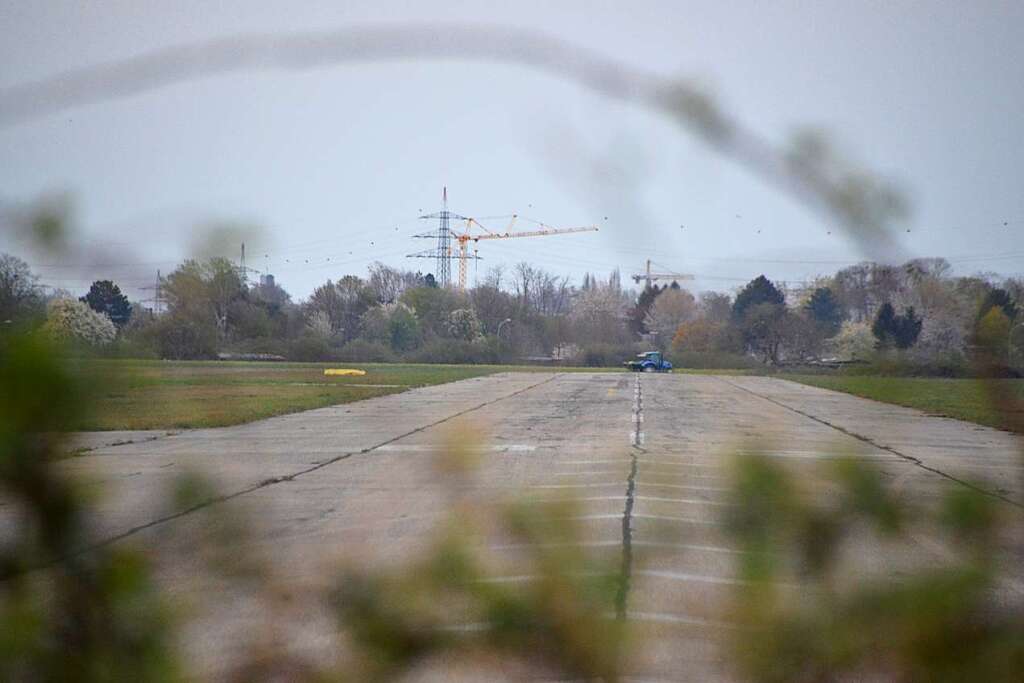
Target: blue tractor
x=649 y=361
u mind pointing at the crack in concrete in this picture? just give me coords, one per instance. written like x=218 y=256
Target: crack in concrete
x=270 y=482
x=626 y=570
x=917 y=462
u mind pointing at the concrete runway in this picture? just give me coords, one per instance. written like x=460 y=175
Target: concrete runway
x=360 y=480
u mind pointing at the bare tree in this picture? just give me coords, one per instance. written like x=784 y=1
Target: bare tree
x=716 y=307
x=599 y=315
x=672 y=308
x=541 y=292
x=388 y=283
x=20 y=294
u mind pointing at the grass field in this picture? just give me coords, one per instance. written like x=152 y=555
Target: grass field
x=138 y=394
x=153 y=394
x=964 y=399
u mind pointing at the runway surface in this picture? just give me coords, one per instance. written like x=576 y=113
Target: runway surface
x=643 y=455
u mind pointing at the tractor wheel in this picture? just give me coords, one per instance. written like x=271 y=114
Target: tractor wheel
x=649 y=368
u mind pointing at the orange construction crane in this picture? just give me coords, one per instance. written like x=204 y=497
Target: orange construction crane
x=464 y=238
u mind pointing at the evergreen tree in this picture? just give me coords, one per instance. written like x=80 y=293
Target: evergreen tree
x=1000 y=298
x=758 y=291
x=638 y=316
x=106 y=297
x=908 y=329
x=882 y=328
x=896 y=331
x=825 y=310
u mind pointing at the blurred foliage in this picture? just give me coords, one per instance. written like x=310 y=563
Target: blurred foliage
x=808 y=613
x=557 y=621
x=65 y=614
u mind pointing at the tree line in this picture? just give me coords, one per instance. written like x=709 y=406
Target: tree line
x=918 y=311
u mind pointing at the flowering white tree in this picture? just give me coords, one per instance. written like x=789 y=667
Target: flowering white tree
x=319 y=324
x=73 y=321
x=599 y=315
x=854 y=341
x=463 y=324
x=945 y=332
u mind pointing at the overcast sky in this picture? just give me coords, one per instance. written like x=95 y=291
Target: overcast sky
x=331 y=166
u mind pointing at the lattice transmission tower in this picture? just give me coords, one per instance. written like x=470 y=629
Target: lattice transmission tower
x=442 y=253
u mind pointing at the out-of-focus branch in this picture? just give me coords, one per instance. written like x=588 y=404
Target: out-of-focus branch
x=859 y=203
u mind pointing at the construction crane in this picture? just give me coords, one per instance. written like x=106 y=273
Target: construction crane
x=649 y=277
x=445 y=251
x=464 y=238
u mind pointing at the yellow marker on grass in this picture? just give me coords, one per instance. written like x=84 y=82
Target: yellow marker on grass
x=336 y=372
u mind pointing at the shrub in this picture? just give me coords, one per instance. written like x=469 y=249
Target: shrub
x=604 y=355
x=309 y=348
x=74 y=322
x=403 y=328
x=713 y=360
x=462 y=324
x=360 y=351
x=699 y=336
x=900 y=365
x=855 y=341
x=262 y=345
x=128 y=347
x=451 y=351
x=180 y=338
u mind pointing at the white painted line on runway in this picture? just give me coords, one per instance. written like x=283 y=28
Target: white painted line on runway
x=526 y=578
x=656 y=617
x=581 y=499
x=616 y=543
x=669 y=518
x=810 y=455
x=683 y=487
x=967 y=466
x=519 y=578
x=576 y=486
x=636 y=437
x=688 y=501
x=689 y=546
x=474 y=627
x=576 y=544
x=688 y=578
x=681 y=619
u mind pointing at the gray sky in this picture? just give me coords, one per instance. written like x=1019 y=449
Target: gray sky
x=326 y=161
